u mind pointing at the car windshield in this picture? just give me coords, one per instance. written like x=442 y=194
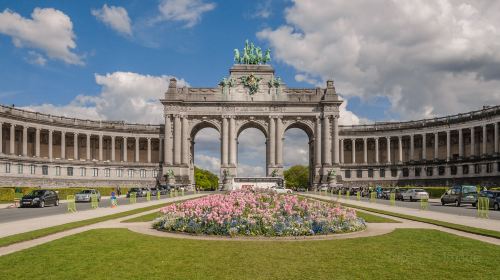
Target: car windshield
x=37 y=193
x=469 y=189
x=419 y=190
x=86 y=191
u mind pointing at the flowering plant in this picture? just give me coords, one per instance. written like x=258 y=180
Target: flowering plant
x=245 y=212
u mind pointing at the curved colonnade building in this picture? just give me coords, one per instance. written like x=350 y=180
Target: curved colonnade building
x=43 y=150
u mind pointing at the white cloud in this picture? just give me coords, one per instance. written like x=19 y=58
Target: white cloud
x=48 y=30
x=115 y=17
x=189 y=11
x=209 y=163
x=263 y=9
x=426 y=57
x=36 y=58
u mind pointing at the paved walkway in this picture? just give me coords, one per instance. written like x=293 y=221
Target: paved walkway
x=15 y=227
x=444 y=217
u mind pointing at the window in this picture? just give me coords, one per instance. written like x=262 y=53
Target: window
x=20 y=168
x=131 y=173
x=58 y=171
x=477 y=168
x=429 y=170
x=95 y=172
x=382 y=172
x=7 y=167
x=83 y=171
x=370 y=172
x=453 y=170
x=155 y=173
x=119 y=172
x=107 y=172
x=418 y=171
x=348 y=173
x=32 y=169
x=142 y=173
x=465 y=169
x=441 y=170
x=489 y=167
x=45 y=170
x=406 y=172
x=69 y=171
x=394 y=172
x=359 y=173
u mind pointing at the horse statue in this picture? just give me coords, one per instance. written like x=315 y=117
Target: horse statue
x=237 y=56
x=267 y=57
x=258 y=54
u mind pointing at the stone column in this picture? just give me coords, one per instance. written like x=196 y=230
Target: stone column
x=185 y=141
x=472 y=142
x=232 y=141
x=149 y=150
x=424 y=146
x=12 y=139
x=485 y=135
x=400 y=146
x=412 y=147
x=125 y=149
x=177 y=140
x=327 y=145
x=225 y=142
x=436 y=145
x=376 y=150
x=88 y=147
x=495 y=140
x=388 y=149
x=1 y=138
x=75 y=146
x=50 y=143
x=25 y=141
x=113 y=155
x=63 y=144
x=353 y=150
x=448 y=145
x=317 y=142
x=365 y=150
x=279 y=142
x=272 y=144
x=460 y=143
x=335 y=140
x=342 y=150
x=100 y=147
x=167 y=142
x=137 y=156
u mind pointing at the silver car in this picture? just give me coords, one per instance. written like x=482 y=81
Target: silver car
x=86 y=195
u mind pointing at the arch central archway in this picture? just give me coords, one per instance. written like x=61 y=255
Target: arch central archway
x=205 y=149
x=300 y=136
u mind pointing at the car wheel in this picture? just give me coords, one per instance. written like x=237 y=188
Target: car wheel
x=457 y=203
x=57 y=202
x=42 y=204
x=474 y=205
x=496 y=207
x=442 y=202
x=411 y=199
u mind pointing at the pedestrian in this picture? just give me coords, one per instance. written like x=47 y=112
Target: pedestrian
x=119 y=191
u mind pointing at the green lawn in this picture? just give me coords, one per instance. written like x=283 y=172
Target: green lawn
x=122 y=254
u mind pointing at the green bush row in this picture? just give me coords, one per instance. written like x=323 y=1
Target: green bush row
x=9 y=193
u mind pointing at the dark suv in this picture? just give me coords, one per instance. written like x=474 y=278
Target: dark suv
x=460 y=195
x=40 y=198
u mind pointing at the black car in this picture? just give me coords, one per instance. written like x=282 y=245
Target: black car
x=138 y=192
x=40 y=198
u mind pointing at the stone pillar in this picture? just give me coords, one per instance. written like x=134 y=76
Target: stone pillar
x=224 y=142
x=137 y=156
x=279 y=142
x=460 y=143
x=365 y=150
x=388 y=149
x=75 y=146
x=342 y=151
x=149 y=150
x=317 y=142
x=485 y=135
x=327 y=154
x=167 y=142
x=63 y=144
x=376 y=150
x=177 y=140
x=353 y=150
x=25 y=141
x=88 y=147
x=436 y=145
x=335 y=140
x=232 y=141
x=185 y=141
x=113 y=155
x=50 y=143
x=272 y=144
x=412 y=147
x=472 y=142
x=124 y=149
x=400 y=147
x=448 y=145
x=12 y=139
x=100 y=147
x=1 y=138
x=424 y=146
x=495 y=140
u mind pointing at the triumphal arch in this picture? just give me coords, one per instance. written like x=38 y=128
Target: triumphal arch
x=252 y=96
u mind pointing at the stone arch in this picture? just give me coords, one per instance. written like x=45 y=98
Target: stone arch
x=252 y=124
x=305 y=126
x=201 y=124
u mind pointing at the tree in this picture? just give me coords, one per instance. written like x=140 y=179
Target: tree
x=297 y=176
x=205 y=180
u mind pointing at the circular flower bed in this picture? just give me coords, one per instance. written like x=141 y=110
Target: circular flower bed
x=249 y=213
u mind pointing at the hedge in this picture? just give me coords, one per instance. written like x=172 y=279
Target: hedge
x=7 y=194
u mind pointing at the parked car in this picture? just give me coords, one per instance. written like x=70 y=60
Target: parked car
x=164 y=189
x=40 y=198
x=86 y=195
x=399 y=193
x=386 y=194
x=138 y=192
x=494 y=198
x=460 y=195
x=279 y=189
x=323 y=188
x=415 y=194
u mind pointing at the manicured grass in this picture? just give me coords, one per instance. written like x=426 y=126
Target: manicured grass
x=145 y=218
x=5 y=241
x=122 y=254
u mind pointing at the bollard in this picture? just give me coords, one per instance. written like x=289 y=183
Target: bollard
x=348 y=195
x=339 y=194
x=358 y=195
x=483 y=207
x=71 y=203
x=393 y=199
x=158 y=195
x=373 y=196
x=424 y=204
x=94 y=202
x=132 y=198
x=182 y=192
x=148 y=196
x=171 y=193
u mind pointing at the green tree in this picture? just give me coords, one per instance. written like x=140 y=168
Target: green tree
x=205 y=180
x=297 y=176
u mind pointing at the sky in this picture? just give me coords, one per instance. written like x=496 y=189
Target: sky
x=391 y=59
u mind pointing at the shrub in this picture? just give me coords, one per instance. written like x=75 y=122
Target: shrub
x=7 y=194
